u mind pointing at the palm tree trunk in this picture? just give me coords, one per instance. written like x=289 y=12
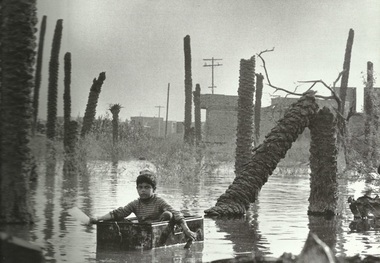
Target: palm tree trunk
x=18 y=21
x=53 y=82
x=247 y=184
x=115 y=110
x=197 y=114
x=257 y=117
x=36 y=94
x=342 y=123
x=71 y=162
x=66 y=99
x=346 y=68
x=244 y=134
x=371 y=120
x=92 y=102
x=375 y=130
x=323 y=164
x=188 y=90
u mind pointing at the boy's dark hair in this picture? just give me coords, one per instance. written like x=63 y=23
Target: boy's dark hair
x=148 y=177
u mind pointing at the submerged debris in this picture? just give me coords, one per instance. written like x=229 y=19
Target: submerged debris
x=366 y=211
x=314 y=251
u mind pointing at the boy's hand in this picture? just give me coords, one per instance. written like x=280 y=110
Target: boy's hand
x=190 y=234
x=191 y=237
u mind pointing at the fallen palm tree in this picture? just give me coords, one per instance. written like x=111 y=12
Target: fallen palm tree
x=265 y=157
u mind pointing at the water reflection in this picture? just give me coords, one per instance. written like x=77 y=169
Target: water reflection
x=276 y=223
x=325 y=228
x=49 y=210
x=243 y=233
x=163 y=254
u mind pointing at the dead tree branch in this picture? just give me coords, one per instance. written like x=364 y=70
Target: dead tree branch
x=333 y=96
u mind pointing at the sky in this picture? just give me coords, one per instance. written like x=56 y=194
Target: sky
x=139 y=44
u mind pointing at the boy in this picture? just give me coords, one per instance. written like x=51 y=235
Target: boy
x=149 y=207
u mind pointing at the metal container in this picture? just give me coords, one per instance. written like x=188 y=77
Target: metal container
x=131 y=235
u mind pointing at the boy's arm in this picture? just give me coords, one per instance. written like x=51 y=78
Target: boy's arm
x=179 y=219
x=187 y=230
x=94 y=220
x=121 y=212
x=164 y=206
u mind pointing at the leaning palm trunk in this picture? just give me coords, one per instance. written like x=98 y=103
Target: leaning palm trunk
x=342 y=125
x=188 y=90
x=323 y=164
x=37 y=82
x=92 y=102
x=244 y=134
x=197 y=114
x=66 y=99
x=346 y=68
x=247 y=184
x=53 y=82
x=257 y=117
x=18 y=20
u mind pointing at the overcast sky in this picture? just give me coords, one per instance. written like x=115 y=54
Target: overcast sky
x=139 y=44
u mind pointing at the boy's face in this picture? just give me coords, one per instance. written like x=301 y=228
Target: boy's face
x=145 y=190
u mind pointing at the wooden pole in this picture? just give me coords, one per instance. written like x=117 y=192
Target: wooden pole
x=167 y=111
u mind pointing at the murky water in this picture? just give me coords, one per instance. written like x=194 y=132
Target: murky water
x=277 y=223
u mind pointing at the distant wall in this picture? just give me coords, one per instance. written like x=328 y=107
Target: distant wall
x=221 y=114
x=221 y=118
x=156 y=126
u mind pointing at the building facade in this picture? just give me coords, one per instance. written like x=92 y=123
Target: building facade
x=157 y=127
x=221 y=114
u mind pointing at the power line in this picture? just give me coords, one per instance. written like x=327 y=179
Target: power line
x=212 y=69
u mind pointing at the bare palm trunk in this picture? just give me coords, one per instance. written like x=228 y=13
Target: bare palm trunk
x=323 y=164
x=371 y=120
x=244 y=134
x=346 y=68
x=115 y=110
x=188 y=90
x=36 y=94
x=197 y=114
x=247 y=184
x=67 y=99
x=342 y=124
x=92 y=102
x=18 y=20
x=53 y=82
x=257 y=117
x=71 y=162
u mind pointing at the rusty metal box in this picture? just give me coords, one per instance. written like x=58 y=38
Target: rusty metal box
x=130 y=235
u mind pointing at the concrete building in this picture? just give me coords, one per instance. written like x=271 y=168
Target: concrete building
x=221 y=117
x=156 y=126
x=221 y=114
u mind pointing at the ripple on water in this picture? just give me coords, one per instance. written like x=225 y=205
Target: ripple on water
x=275 y=224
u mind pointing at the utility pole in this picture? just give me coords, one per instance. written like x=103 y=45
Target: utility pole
x=212 y=69
x=159 y=123
x=167 y=111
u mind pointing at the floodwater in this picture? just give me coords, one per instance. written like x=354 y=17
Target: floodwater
x=275 y=224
